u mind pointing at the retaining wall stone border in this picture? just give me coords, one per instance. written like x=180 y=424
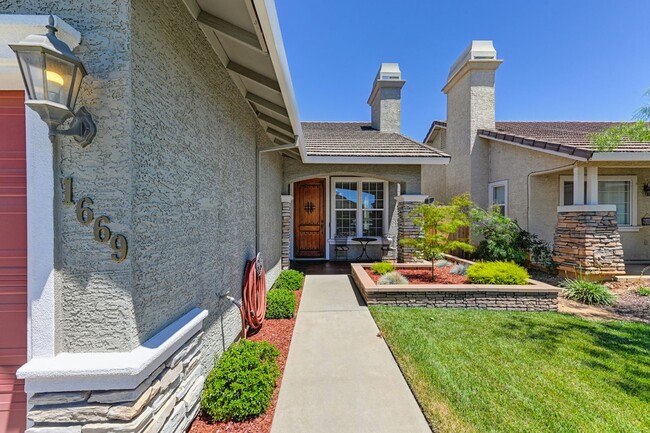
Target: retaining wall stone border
x=167 y=401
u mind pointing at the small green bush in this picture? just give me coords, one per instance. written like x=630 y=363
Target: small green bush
x=289 y=279
x=643 y=291
x=393 y=278
x=241 y=384
x=588 y=292
x=383 y=267
x=280 y=304
x=497 y=273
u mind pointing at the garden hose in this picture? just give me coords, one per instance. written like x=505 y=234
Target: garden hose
x=253 y=308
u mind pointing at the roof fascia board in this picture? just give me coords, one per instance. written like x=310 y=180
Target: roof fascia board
x=433 y=131
x=268 y=21
x=538 y=149
x=405 y=160
x=621 y=156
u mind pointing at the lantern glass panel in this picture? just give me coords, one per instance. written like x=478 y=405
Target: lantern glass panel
x=58 y=74
x=31 y=63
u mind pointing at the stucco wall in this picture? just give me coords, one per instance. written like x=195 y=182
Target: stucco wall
x=195 y=144
x=174 y=167
x=93 y=294
x=434 y=177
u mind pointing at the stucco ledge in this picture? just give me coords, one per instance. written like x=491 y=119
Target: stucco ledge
x=587 y=208
x=111 y=370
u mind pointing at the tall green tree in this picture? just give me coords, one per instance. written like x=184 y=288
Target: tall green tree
x=636 y=132
x=438 y=222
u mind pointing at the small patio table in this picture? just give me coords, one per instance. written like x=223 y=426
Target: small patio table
x=364 y=241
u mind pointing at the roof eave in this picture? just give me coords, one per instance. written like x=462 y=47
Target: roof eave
x=383 y=160
x=556 y=149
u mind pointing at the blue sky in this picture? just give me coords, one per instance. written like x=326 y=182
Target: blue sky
x=563 y=60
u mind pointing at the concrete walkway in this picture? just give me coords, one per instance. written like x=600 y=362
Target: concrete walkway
x=340 y=377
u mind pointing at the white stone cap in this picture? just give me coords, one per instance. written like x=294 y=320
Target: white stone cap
x=476 y=50
x=389 y=75
x=110 y=370
x=478 y=55
x=587 y=208
x=412 y=197
x=14 y=28
x=286 y=198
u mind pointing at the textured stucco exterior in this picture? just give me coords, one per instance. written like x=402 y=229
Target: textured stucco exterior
x=173 y=166
x=386 y=109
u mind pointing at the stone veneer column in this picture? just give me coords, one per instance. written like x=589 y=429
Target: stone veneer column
x=406 y=228
x=587 y=241
x=91 y=397
x=286 y=229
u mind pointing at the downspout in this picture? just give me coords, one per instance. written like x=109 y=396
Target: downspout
x=528 y=187
x=258 y=187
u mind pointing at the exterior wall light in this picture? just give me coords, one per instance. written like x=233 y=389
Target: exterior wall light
x=52 y=76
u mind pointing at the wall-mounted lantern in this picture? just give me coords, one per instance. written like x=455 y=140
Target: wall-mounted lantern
x=52 y=76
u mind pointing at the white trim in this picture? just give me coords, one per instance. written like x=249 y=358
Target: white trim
x=538 y=149
x=404 y=160
x=270 y=26
x=587 y=208
x=497 y=184
x=112 y=370
x=420 y=198
x=284 y=198
x=629 y=229
x=633 y=195
x=359 y=209
x=621 y=156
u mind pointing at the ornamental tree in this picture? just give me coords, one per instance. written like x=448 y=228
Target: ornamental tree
x=438 y=222
x=635 y=132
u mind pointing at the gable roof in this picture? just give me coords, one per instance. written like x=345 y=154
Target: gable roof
x=358 y=142
x=565 y=137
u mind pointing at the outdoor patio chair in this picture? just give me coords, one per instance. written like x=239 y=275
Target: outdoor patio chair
x=341 y=246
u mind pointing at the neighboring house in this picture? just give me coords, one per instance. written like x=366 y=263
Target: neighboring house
x=545 y=175
x=199 y=162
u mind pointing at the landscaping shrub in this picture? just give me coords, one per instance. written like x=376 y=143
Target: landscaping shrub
x=289 y=279
x=383 y=267
x=643 y=291
x=459 y=269
x=280 y=304
x=241 y=384
x=393 y=278
x=497 y=273
x=442 y=263
x=504 y=240
x=588 y=292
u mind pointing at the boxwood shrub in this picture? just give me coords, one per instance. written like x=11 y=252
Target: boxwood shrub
x=497 y=273
x=289 y=279
x=280 y=304
x=242 y=382
x=382 y=268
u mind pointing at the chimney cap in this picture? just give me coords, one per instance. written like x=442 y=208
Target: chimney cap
x=477 y=50
x=389 y=71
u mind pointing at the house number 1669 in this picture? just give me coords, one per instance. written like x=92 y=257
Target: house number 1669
x=101 y=231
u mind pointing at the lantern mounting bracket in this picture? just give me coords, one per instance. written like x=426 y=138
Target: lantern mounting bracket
x=82 y=128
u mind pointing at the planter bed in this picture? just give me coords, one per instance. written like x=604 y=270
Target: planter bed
x=535 y=296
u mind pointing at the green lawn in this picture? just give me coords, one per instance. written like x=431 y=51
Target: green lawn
x=488 y=371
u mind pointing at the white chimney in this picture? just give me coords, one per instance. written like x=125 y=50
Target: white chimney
x=385 y=98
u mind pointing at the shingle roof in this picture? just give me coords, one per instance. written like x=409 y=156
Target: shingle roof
x=351 y=139
x=567 y=137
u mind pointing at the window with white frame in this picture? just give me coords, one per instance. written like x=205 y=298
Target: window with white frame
x=498 y=192
x=616 y=190
x=359 y=207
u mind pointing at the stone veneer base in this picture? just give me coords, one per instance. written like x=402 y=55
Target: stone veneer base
x=535 y=296
x=166 y=400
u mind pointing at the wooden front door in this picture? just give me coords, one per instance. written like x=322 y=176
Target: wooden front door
x=13 y=260
x=309 y=219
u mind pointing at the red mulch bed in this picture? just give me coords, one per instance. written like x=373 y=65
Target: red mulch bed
x=423 y=276
x=277 y=332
